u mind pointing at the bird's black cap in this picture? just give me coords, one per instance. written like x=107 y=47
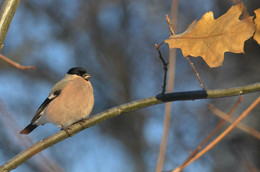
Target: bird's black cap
x=77 y=71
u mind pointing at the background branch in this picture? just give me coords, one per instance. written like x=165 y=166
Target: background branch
x=43 y=162
x=222 y=135
x=196 y=72
x=211 y=134
x=170 y=87
x=241 y=126
x=7 y=11
x=15 y=64
x=118 y=110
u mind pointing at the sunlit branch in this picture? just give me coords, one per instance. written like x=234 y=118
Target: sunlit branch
x=121 y=109
x=7 y=11
x=15 y=64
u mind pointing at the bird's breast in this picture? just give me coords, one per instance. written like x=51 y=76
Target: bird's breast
x=74 y=103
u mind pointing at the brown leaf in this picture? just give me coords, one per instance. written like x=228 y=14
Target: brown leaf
x=210 y=38
x=257 y=22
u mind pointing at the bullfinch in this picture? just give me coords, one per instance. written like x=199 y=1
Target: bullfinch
x=70 y=100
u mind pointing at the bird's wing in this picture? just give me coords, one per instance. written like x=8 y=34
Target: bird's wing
x=45 y=104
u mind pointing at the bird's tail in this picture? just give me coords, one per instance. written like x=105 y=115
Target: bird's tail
x=28 y=129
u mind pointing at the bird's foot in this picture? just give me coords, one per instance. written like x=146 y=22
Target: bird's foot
x=66 y=129
x=81 y=122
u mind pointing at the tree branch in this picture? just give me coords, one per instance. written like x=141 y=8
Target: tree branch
x=15 y=64
x=7 y=11
x=241 y=126
x=164 y=68
x=211 y=134
x=118 y=110
x=221 y=136
x=170 y=87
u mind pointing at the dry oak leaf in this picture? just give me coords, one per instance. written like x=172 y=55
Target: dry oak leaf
x=210 y=38
x=257 y=22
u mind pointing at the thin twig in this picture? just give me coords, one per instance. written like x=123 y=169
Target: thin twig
x=164 y=68
x=170 y=24
x=197 y=74
x=223 y=134
x=170 y=88
x=241 y=126
x=212 y=133
x=13 y=63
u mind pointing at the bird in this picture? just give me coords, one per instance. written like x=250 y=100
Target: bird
x=69 y=101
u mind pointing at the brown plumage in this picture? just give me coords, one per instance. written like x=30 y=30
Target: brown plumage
x=70 y=100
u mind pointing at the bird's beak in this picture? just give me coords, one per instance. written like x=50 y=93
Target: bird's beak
x=86 y=76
